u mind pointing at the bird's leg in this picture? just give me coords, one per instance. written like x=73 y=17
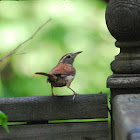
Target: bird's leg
x=52 y=90
x=68 y=86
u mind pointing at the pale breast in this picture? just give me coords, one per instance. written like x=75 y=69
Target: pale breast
x=69 y=78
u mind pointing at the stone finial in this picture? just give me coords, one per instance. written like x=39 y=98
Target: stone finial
x=123 y=22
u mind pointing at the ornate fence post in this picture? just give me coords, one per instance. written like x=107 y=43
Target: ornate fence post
x=123 y=22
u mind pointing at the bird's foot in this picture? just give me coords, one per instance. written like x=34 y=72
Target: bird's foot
x=54 y=94
x=74 y=96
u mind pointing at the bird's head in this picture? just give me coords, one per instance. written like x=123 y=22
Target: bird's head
x=68 y=58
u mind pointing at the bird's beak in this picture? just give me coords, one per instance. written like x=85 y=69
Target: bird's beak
x=77 y=53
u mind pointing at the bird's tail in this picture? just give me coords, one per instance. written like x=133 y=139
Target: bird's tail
x=42 y=73
x=51 y=76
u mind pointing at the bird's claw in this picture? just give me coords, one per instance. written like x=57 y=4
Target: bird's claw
x=54 y=94
x=74 y=96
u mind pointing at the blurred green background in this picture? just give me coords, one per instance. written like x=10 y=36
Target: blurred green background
x=76 y=25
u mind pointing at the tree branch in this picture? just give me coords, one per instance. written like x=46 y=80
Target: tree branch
x=14 y=51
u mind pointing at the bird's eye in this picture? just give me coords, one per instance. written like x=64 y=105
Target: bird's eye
x=68 y=56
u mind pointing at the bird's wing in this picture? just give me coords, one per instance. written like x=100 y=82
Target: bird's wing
x=63 y=69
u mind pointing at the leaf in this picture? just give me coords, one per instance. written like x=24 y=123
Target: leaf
x=3 y=121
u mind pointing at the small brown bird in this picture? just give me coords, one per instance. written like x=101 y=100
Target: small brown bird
x=63 y=73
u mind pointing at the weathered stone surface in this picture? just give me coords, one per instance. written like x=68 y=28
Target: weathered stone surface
x=42 y=108
x=60 y=131
x=126 y=112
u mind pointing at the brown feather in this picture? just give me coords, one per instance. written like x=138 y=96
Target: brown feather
x=63 y=69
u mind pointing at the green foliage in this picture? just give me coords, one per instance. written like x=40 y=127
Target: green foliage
x=76 y=26
x=79 y=120
x=3 y=121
